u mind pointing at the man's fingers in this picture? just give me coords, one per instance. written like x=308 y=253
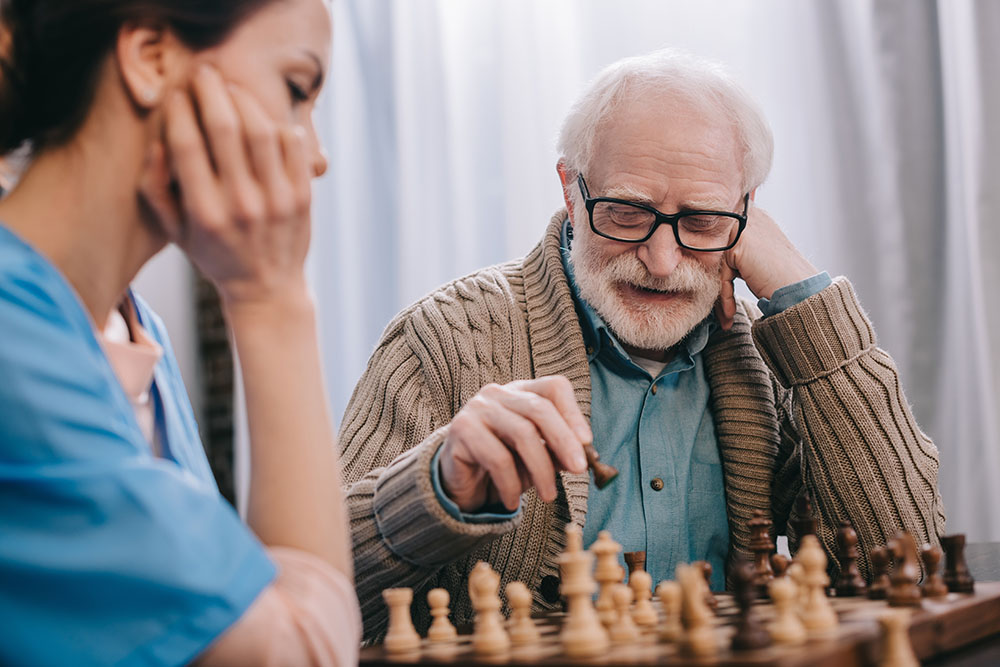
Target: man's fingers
x=522 y=436
x=559 y=391
x=477 y=444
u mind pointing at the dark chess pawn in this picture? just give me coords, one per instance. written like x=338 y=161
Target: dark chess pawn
x=779 y=563
x=706 y=571
x=636 y=560
x=934 y=586
x=849 y=583
x=956 y=572
x=880 y=558
x=804 y=521
x=750 y=634
x=762 y=547
x=903 y=591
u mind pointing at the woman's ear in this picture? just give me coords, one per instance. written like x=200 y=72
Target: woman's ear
x=149 y=58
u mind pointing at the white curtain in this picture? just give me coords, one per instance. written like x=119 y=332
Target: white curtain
x=440 y=122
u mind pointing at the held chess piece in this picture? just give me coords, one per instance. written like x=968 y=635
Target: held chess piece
x=897 y=650
x=402 y=636
x=607 y=573
x=762 y=547
x=441 y=630
x=583 y=635
x=603 y=473
x=750 y=634
x=641 y=584
x=880 y=558
x=522 y=629
x=669 y=593
x=934 y=586
x=623 y=630
x=849 y=583
x=786 y=628
x=635 y=560
x=903 y=591
x=706 y=571
x=817 y=615
x=956 y=572
x=699 y=637
x=489 y=636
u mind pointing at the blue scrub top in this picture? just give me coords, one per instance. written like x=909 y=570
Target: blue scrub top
x=108 y=554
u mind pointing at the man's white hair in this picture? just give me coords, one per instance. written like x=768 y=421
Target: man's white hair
x=672 y=74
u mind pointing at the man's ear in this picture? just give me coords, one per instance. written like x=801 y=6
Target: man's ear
x=146 y=55
x=566 y=177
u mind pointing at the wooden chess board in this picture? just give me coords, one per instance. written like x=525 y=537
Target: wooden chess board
x=941 y=626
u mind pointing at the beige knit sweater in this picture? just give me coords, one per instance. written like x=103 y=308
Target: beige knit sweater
x=801 y=400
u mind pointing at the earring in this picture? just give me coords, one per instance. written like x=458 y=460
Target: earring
x=149 y=96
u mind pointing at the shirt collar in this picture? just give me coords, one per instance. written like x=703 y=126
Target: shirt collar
x=598 y=336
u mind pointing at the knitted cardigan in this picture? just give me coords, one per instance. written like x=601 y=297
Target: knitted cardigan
x=802 y=400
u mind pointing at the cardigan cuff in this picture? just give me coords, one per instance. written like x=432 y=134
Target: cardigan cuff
x=815 y=337
x=411 y=519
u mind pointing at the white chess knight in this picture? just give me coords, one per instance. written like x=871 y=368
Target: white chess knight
x=818 y=615
x=583 y=635
x=699 y=640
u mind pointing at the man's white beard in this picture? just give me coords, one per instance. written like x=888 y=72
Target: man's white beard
x=641 y=325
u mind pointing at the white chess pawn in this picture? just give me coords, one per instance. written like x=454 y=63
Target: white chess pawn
x=785 y=628
x=818 y=615
x=623 y=630
x=489 y=637
x=699 y=640
x=402 y=636
x=898 y=651
x=641 y=583
x=441 y=630
x=522 y=629
x=669 y=593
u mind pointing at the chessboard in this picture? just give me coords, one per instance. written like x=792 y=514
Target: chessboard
x=938 y=627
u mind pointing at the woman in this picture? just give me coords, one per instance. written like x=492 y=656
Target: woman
x=158 y=121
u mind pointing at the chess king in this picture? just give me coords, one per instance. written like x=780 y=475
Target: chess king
x=464 y=439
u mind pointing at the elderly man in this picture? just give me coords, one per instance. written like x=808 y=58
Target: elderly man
x=463 y=440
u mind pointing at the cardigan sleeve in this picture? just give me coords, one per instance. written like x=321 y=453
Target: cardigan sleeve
x=864 y=459
x=394 y=423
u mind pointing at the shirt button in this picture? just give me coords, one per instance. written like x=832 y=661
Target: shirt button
x=656 y=483
x=590 y=349
x=653 y=389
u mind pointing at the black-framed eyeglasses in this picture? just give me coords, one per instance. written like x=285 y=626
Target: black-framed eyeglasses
x=631 y=222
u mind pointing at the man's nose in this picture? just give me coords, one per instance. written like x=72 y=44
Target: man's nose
x=660 y=253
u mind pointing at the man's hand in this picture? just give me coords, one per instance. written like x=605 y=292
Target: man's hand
x=766 y=261
x=509 y=438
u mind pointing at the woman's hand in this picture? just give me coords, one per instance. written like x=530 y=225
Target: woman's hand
x=232 y=189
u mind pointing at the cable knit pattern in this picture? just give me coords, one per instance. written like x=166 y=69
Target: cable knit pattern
x=803 y=400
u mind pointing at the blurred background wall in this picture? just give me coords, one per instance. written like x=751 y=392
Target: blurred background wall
x=440 y=119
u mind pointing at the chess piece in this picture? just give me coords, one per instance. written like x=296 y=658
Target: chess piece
x=762 y=547
x=607 y=573
x=402 y=637
x=641 y=584
x=804 y=522
x=956 y=572
x=785 y=628
x=797 y=575
x=699 y=636
x=818 y=616
x=880 y=558
x=934 y=586
x=779 y=564
x=635 y=560
x=706 y=571
x=489 y=637
x=441 y=630
x=669 y=593
x=480 y=568
x=903 y=591
x=582 y=635
x=604 y=474
x=623 y=630
x=522 y=629
x=850 y=582
x=897 y=649
x=750 y=634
